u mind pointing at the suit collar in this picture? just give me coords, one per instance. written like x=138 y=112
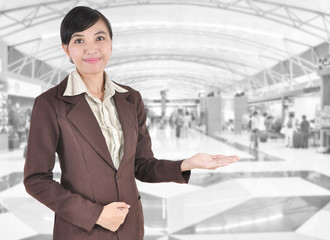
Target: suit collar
x=69 y=99
x=76 y=86
x=121 y=92
x=83 y=118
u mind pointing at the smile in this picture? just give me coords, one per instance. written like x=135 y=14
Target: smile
x=92 y=60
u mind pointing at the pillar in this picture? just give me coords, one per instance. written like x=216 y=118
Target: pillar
x=324 y=73
x=213 y=115
x=240 y=109
x=3 y=96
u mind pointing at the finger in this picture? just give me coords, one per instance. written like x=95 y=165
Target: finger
x=230 y=158
x=122 y=205
x=123 y=209
x=218 y=156
x=235 y=157
x=226 y=161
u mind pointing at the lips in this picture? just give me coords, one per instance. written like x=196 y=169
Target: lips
x=92 y=60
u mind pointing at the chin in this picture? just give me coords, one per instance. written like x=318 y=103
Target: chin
x=93 y=69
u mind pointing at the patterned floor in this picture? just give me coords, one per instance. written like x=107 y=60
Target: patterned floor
x=274 y=193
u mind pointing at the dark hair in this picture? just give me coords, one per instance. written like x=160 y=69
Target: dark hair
x=79 y=19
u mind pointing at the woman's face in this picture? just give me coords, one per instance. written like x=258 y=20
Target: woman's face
x=90 y=50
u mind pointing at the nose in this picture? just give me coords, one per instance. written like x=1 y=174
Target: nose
x=90 y=48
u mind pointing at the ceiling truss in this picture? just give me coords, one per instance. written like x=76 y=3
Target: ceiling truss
x=281 y=13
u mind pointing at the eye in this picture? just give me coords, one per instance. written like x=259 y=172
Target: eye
x=100 y=38
x=78 y=41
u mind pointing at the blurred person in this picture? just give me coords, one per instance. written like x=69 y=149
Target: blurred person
x=249 y=125
x=27 y=122
x=172 y=119
x=312 y=124
x=262 y=122
x=254 y=137
x=27 y=129
x=178 y=123
x=290 y=128
x=148 y=119
x=193 y=118
x=269 y=123
x=231 y=126
x=186 y=121
x=305 y=130
x=98 y=130
x=263 y=134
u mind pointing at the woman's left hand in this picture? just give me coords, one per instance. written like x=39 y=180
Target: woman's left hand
x=207 y=161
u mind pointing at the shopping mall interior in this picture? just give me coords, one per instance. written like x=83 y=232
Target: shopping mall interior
x=234 y=77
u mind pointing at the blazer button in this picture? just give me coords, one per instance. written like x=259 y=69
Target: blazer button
x=117 y=176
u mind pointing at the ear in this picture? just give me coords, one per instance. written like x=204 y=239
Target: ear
x=66 y=49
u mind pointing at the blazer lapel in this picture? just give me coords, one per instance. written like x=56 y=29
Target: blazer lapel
x=127 y=117
x=83 y=118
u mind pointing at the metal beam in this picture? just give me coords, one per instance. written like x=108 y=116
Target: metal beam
x=289 y=17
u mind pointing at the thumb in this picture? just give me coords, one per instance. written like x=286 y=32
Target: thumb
x=122 y=205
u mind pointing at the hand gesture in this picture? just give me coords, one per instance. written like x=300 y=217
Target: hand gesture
x=207 y=161
x=113 y=215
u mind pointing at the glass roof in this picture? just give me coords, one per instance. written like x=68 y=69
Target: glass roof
x=185 y=47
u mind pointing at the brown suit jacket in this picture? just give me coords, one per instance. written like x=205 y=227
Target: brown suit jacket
x=89 y=180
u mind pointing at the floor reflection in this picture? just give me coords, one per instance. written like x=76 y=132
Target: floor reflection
x=262 y=194
x=261 y=215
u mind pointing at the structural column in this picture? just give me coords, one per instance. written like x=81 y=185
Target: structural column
x=4 y=128
x=240 y=109
x=324 y=118
x=213 y=115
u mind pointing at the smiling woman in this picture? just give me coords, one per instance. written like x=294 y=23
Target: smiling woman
x=90 y=51
x=88 y=44
x=98 y=130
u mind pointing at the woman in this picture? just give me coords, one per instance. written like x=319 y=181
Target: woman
x=97 y=128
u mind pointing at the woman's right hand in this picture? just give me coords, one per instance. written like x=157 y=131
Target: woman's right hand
x=113 y=215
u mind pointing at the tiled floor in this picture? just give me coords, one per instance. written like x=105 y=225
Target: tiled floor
x=275 y=193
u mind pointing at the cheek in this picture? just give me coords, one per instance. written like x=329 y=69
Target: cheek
x=107 y=54
x=106 y=48
x=75 y=53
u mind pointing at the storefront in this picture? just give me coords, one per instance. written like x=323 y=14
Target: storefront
x=4 y=133
x=16 y=102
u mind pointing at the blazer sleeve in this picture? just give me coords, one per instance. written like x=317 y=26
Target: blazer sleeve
x=38 y=171
x=147 y=167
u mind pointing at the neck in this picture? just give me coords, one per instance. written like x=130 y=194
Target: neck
x=95 y=84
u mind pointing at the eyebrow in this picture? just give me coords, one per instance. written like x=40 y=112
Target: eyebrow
x=100 y=32
x=76 y=35
x=80 y=35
